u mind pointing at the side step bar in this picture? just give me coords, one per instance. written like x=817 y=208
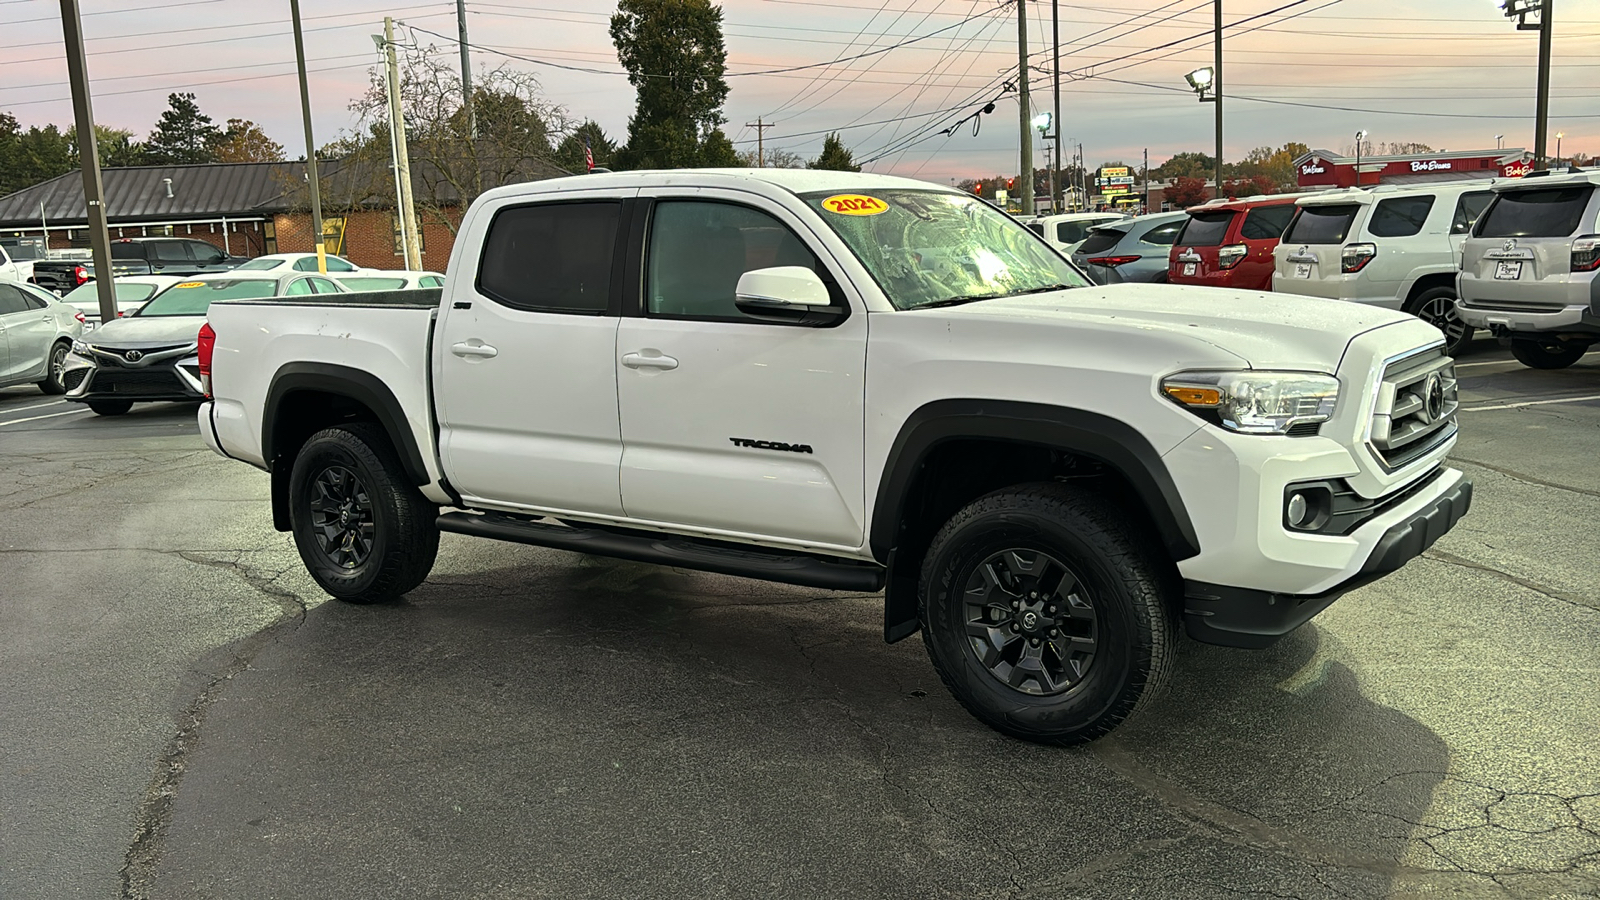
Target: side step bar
x=668 y=550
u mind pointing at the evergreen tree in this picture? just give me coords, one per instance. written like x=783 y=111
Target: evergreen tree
x=834 y=156
x=569 y=153
x=183 y=134
x=675 y=59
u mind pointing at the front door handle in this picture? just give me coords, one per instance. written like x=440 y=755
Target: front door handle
x=654 y=361
x=474 y=349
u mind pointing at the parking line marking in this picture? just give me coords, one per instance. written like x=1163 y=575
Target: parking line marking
x=35 y=406
x=47 y=416
x=1530 y=403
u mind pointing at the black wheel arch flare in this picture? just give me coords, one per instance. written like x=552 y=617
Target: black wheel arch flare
x=1101 y=438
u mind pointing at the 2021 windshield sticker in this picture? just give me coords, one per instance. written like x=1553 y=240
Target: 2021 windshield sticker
x=855 y=205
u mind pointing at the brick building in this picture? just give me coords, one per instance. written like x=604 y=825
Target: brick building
x=248 y=209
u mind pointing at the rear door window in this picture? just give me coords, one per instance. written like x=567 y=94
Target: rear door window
x=1321 y=224
x=1101 y=240
x=1400 y=216
x=169 y=252
x=200 y=251
x=11 y=300
x=1544 y=212
x=1468 y=209
x=552 y=257
x=1207 y=229
x=1266 y=223
x=128 y=250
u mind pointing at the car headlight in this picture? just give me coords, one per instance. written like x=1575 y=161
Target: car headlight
x=1255 y=402
x=80 y=348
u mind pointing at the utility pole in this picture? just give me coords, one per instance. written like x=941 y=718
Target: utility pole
x=89 y=160
x=1083 y=181
x=1025 y=177
x=761 y=131
x=1541 y=112
x=311 y=146
x=408 y=210
x=466 y=69
x=1055 y=46
x=1217 y=87
x=1146 y=174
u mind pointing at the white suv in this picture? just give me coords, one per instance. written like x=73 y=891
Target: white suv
x=1391 y=245
x=1067 y=230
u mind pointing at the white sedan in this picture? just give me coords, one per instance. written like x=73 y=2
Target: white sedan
x=132 y=292
x=36 y=332
x=390 y=281
x=299 y=262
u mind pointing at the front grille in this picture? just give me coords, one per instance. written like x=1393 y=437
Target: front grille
x=115 y=356
x=1416 y=406
x=74 y=377
x=1514 y=306
x=137 y=381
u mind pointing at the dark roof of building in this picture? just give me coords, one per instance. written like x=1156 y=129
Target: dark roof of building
x=139 y=193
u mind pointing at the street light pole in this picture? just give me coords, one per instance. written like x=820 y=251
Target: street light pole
x=1541 y=111
x=1360 y=136
x=1055 y=44
x=88 y=162
x=311 y=146
x=1216 y=82
x=1025 y=177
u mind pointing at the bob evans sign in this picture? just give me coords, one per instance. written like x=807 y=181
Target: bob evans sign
x=1312 y=169
x=1431 y=165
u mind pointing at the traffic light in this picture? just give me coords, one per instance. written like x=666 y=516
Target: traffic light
x=1010 y=183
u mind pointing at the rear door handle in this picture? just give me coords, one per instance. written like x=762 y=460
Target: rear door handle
x=474 y=349
x=654 y=361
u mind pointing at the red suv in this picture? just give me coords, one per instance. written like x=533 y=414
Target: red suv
x=1229 y=243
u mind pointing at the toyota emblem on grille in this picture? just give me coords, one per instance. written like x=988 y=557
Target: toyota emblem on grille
x=1509 y=246
x=1434 y=399
x=133 y=356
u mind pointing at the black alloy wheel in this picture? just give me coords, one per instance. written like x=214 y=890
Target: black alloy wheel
x=1030 y=621
x=1437 y=307
x=55 y=373
x=342 y=517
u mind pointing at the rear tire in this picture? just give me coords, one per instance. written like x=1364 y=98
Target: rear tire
x=364 y=531
x=110 y=407
x=1437 y=307
x=1047 y=613
x=55 y=371
x=1548 y=354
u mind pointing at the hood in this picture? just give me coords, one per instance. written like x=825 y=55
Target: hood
x=1270 y=331
x=155 y=330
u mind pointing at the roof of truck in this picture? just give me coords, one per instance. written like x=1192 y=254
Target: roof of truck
x=798 y=181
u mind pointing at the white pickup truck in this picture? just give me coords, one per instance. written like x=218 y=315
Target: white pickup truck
x=859 y=383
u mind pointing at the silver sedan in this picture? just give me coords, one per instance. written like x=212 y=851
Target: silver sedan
x=36 y=334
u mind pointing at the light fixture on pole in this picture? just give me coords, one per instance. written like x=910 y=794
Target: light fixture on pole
x=1200 y=82
x=1360 y=136
x=1559 y=136
x=1203 y=81
x=1499 y=141
x=1521 y=10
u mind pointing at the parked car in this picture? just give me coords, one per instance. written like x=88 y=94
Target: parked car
x=36 y=333
x=390 y=281
x=1130 y=251
x=17 y=256
x=150 y=354
x=138 y=256
x=1230 y=243
x=1394 y=246
x=1045 y=475
x=131 y=292
x=1067 y=230
x=1530 y=272
x=301 y=262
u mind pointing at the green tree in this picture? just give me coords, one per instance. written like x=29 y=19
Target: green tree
x=1186 y=165
x=834 y=156
x=675 y=59
x=569 y=153
x=183 y=134
x=716 y=151
x=771 y=158
x=31 y=156
x=115 y=147
x=244 y=141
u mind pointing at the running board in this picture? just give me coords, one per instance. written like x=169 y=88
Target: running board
x=670 y=550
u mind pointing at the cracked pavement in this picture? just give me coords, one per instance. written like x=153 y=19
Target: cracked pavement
x=185 y=717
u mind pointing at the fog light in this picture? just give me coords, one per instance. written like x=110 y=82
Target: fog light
x=1299 y=511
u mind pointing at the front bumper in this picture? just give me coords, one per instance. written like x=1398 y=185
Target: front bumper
x=87 y=381
x=1240 y=617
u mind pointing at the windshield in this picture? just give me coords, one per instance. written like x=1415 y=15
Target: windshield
x=1321 y=224
x=126 y=293
x=1206 y=229
x=373 y=284
x=192 y=298
x=933 y=248
x=1546 y=212
x=260 y=265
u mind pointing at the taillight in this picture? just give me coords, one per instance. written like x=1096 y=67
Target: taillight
x=79 y=275
x=1229 y=256
x=1586 y=253
x=80 y=318
x=1356 y=256
x=208 y=344
x=1111 y=260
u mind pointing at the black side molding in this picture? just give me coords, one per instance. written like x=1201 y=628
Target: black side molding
x=362 y=387
x=670 y=550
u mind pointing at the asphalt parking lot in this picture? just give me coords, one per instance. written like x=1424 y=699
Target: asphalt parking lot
x=185 y=717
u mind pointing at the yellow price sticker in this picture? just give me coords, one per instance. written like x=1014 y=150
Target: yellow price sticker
x=190 y=284
x=855 y=205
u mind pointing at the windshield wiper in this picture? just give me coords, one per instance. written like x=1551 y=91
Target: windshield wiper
x=957 y=301
x=1042 y=290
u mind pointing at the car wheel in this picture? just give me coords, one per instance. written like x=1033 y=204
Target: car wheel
x=1047 y=614
x=1548 y=354
x=54 y=376
x=364 y=531
x=1437 y=307
x=110 y=407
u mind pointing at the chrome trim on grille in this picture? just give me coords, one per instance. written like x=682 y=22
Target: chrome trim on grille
x=118 y=356
x=1414 y=407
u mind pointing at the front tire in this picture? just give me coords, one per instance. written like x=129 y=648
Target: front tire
x=1437 y=307
x=55 y=372
x=110 y=407
x=1047 y=614
x=365 y=533
x=1548 y=354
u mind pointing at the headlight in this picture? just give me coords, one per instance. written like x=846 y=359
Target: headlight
x=80 y=348
x=1255 y=402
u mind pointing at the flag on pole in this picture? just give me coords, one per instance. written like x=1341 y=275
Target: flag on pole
x=588 y=155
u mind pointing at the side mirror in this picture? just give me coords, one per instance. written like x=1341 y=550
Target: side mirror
x=791 y=294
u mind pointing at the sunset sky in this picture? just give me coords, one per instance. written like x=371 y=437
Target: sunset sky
x=1449 y=73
